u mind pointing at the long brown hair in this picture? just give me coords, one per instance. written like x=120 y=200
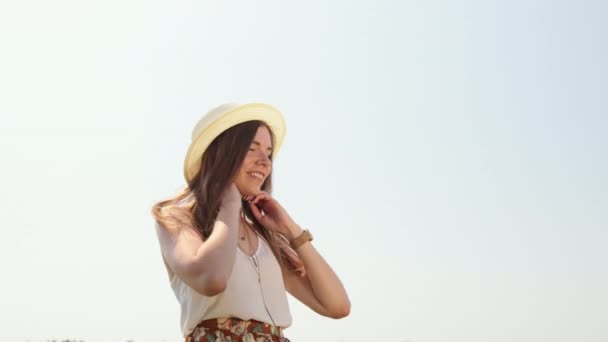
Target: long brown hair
x=198 y=204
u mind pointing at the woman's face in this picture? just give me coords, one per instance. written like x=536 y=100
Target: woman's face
x=257 y=165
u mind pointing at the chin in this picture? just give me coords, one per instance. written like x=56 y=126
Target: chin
x=253 y=190
x=249 y=188
x=246 y=190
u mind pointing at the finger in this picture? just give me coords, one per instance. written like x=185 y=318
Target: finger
x=260 y=196
x=256 y=212
x=255 y=199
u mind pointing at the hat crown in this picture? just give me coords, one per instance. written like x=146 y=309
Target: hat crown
x=211 y=116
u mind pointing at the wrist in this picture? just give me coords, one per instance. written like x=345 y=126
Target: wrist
x=301 y=239
x=293 y=231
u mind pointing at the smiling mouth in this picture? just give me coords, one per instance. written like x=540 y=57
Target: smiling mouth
x=256 y=175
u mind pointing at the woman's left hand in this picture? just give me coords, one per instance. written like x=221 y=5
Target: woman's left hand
x=275 y=218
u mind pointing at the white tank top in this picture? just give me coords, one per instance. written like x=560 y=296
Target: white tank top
x=244 y=297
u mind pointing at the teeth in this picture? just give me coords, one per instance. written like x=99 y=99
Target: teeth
x=256 y=174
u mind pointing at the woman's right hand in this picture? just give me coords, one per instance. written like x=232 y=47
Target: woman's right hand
x=231 y=195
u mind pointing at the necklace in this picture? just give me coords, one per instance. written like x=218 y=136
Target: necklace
x=253 y=258
x=246 y=237
x=256 y=264
x=245 y=231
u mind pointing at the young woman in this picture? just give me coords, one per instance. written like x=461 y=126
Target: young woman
x=230 y=249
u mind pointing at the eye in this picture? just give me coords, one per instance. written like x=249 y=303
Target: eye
x=268 y=155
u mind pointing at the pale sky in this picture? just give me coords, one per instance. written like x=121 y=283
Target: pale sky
x=449 y=158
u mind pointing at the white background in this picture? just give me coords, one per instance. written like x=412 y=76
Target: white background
x=449 y=158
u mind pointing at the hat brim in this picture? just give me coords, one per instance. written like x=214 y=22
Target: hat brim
x=247 y=112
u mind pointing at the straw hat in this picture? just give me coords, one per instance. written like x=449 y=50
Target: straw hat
x=223 y=117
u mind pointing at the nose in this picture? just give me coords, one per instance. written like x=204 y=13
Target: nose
x=263 y=159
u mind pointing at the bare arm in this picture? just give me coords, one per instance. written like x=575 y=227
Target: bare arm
x=320 y=289
x=214 y=259
x=205 y=267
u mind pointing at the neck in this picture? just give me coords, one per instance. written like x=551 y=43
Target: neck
x=244 y=227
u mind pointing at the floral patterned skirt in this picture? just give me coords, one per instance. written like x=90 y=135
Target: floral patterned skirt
x=234 y=329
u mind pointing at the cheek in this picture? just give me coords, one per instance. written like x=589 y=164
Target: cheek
x=242 y=175
x=247 y=162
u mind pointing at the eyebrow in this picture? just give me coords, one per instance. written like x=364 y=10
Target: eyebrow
x=258 y=143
